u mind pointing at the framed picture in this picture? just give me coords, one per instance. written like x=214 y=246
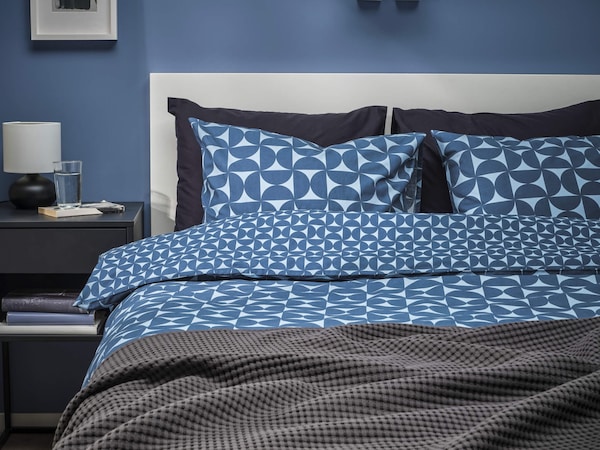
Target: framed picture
x=73 y=20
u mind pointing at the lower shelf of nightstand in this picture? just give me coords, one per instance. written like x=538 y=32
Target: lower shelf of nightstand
x=9 y=335
x=30 y=438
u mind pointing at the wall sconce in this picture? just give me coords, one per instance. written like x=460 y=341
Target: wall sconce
x=30 y=148
x=379 y=1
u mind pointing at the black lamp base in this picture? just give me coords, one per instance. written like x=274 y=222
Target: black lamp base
x=32 y=190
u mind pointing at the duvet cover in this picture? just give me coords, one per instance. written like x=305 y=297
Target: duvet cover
x=312 y=329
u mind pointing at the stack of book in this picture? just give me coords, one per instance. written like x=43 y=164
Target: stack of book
x=47 y=311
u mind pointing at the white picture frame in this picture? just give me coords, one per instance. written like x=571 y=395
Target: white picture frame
x=73 y=20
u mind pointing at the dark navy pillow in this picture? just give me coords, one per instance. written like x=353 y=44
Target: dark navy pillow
x=323 y=129
x=582 y=119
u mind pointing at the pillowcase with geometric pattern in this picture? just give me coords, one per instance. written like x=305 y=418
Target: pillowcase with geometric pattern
x=547 y=176
x=250 y=170
x=324 y=129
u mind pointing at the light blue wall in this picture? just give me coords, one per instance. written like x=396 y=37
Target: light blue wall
x=100 y=91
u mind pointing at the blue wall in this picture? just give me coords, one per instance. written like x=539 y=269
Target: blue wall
x=99 y=91
x=462 y=36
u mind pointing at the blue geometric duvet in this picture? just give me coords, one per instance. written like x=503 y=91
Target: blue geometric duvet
x=320 y=269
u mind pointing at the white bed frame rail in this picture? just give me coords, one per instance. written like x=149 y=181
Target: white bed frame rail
x=339 y=92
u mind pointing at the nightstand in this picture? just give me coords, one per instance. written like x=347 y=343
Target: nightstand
x=45 y=252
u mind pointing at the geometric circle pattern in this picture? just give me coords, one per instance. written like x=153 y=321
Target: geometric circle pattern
x=467 y=300
x=318 y=268
x=251 y=170
x=551 y=176
x=321 y=245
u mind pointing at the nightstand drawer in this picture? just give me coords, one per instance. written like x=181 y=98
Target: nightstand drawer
x=56 y=250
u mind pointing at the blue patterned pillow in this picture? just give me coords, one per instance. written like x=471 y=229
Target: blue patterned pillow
x=550 y=176
x=250 y=170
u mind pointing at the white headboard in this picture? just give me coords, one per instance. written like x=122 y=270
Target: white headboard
x=339 y=92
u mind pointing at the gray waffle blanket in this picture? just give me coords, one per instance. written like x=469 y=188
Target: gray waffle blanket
x=382 y=386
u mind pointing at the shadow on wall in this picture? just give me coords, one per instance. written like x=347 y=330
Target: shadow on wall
x=162 y=215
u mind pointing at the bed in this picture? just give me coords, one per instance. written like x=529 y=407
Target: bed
x=355 y=261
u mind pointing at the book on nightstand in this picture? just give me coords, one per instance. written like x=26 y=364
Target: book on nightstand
x=92 y=329
x=55 y=211
x=48 y=318
x=46 y=312
x=49 y=300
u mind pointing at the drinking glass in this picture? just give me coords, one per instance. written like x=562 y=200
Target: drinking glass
x=67 y=180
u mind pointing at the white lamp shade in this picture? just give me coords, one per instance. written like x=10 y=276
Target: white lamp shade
x=30 y=147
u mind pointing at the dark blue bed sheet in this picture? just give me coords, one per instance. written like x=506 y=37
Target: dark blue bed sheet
x=320 y=269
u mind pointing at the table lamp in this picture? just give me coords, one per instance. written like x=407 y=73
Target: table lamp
x=31 y=148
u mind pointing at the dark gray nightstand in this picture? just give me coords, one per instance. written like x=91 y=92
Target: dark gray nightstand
x=45 y=252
